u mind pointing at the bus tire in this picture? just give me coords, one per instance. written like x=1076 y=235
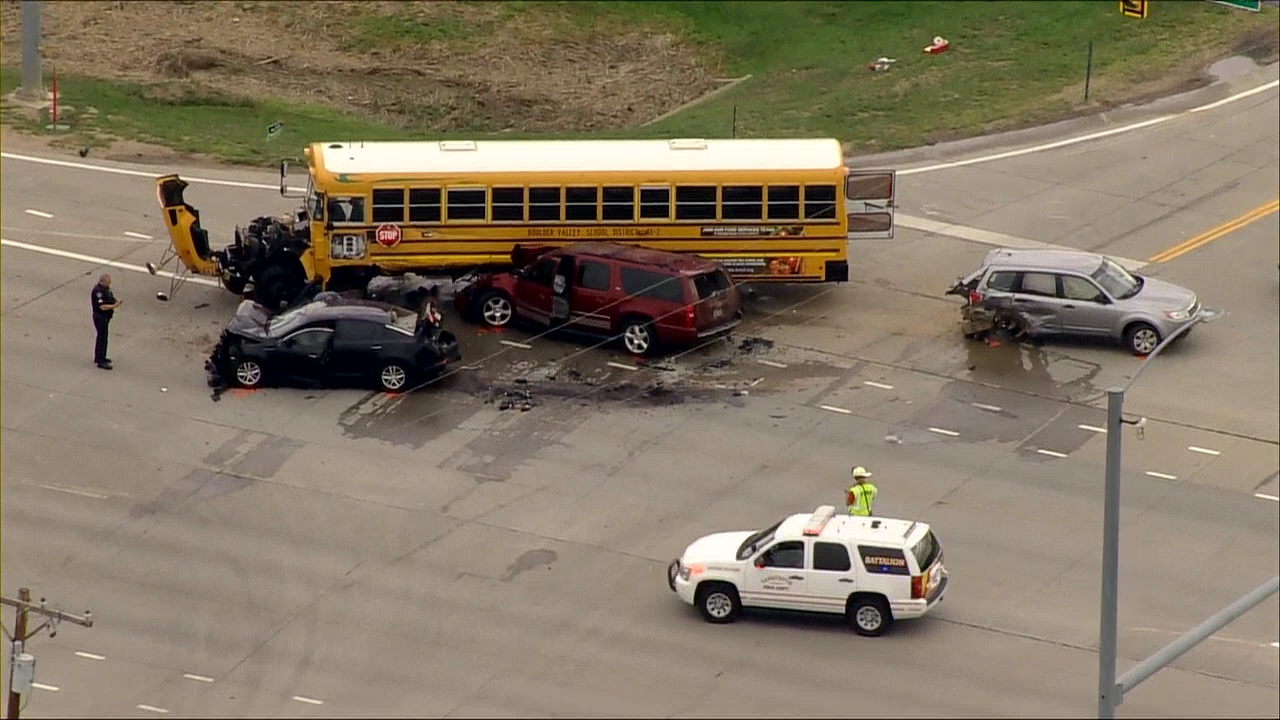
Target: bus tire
x=277 y=286
x=235 y=284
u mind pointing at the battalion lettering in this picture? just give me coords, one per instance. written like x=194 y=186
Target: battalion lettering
x=881 y=560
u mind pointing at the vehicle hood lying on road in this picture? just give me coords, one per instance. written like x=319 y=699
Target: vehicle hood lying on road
x=250 y=320
x=1168 y=295
x=720 y=547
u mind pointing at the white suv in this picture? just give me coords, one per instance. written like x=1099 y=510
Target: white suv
x=806 y=562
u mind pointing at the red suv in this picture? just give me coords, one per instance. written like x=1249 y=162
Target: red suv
x=650 y=299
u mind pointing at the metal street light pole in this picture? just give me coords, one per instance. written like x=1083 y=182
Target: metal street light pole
x=1107 y=691
x=32 y=80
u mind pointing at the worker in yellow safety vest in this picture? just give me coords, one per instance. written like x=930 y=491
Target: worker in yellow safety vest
x=860 y=496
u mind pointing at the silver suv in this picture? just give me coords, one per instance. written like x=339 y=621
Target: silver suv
x=1068 y=292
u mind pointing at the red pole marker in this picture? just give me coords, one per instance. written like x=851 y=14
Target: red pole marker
x=55 y=100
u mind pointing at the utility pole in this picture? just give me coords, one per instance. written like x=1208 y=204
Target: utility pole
x=24 y=607
x=32 y=80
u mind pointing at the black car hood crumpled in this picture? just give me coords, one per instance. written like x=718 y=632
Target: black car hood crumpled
x=250 y=320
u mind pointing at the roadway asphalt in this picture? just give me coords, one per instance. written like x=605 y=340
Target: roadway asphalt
x=338 y=553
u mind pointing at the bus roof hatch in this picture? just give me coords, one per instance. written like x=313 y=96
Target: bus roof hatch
x=819 y=520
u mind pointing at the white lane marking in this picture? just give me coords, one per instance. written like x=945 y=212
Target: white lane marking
x=514 y=344
x=139 y=236
x=1275 y=644
x=139 y=173
x=90 y=656
x=152 y=708
x=38 y=213
x=46 y=688
x=988 y=237
x=1092 y=428
x=835 y=409
x=307 y=700
x=197 y=678
x=908 y=171
x=1203 y=451
x=621 y=366
x=1091 y=136
x=1264 y=496
x=1161 y=475
x=988 y=408
x=106 y=262
x=771 y=363
x=756 y=382
x=1051 y=453
x=73 y=491
x=61 y=233
x=944 y=431
x=874 y=384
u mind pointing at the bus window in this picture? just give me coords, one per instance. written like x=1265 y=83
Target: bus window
x=820 y=202
x=508 y=204
x=695 y=202
x=581 y=204
x=619 y=203
x=315 y=201
x=544 y=204
x=388 y=205
x=465 y=204
x=346 y=210
x=784 y=202
x=424 y=205
x=742 y=202
x=655 y=203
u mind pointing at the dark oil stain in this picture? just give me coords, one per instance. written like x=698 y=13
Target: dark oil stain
x=529 y=561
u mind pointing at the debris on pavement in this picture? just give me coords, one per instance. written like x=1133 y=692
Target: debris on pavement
x=881 y=64
x=513 y=399
x=751 y=344
x=939 y=45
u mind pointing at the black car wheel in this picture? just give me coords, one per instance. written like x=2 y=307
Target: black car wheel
x=637 y=336
x=248 y=373
x=393 y=378
x=1141 y=338
x=277 y=286
x=495 y=308
x=869 y=616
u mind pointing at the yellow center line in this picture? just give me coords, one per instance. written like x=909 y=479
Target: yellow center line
x=1212 y=234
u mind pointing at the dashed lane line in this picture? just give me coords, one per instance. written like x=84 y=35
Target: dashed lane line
x=1264 y=496
x=988 y=408
x=38 y=213
x=1051 y=453
x=73 y=491
x=1203 y=451
x=514 y=344
x=136 y=236
x=90 y=656
x=874 y=384
x=152 y=708
x=773 y=364
x=46 y=688
x=835 y=409
x=1162 y=476
x=1093 y=428
x=307 y=700
x=197 y=678
x=944 y=431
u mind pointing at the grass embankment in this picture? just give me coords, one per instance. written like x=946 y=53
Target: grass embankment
x=1010 y=64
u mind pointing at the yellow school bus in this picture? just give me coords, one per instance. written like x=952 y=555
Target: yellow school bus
x=768 y=210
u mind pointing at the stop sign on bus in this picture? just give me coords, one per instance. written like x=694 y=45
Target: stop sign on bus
x=388 y=235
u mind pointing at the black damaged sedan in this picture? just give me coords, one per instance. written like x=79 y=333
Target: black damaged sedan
x=332 y=342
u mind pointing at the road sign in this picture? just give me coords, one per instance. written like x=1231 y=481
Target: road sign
x=274 y=129
x=388 y=235
x=1134 y=8
x=1250 y=5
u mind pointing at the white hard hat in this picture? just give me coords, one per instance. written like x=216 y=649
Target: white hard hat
x=861 y=472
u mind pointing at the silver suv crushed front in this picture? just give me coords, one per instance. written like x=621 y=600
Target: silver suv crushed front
x=1066 y=292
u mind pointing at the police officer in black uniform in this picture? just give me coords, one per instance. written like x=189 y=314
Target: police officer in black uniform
x=104 y=307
